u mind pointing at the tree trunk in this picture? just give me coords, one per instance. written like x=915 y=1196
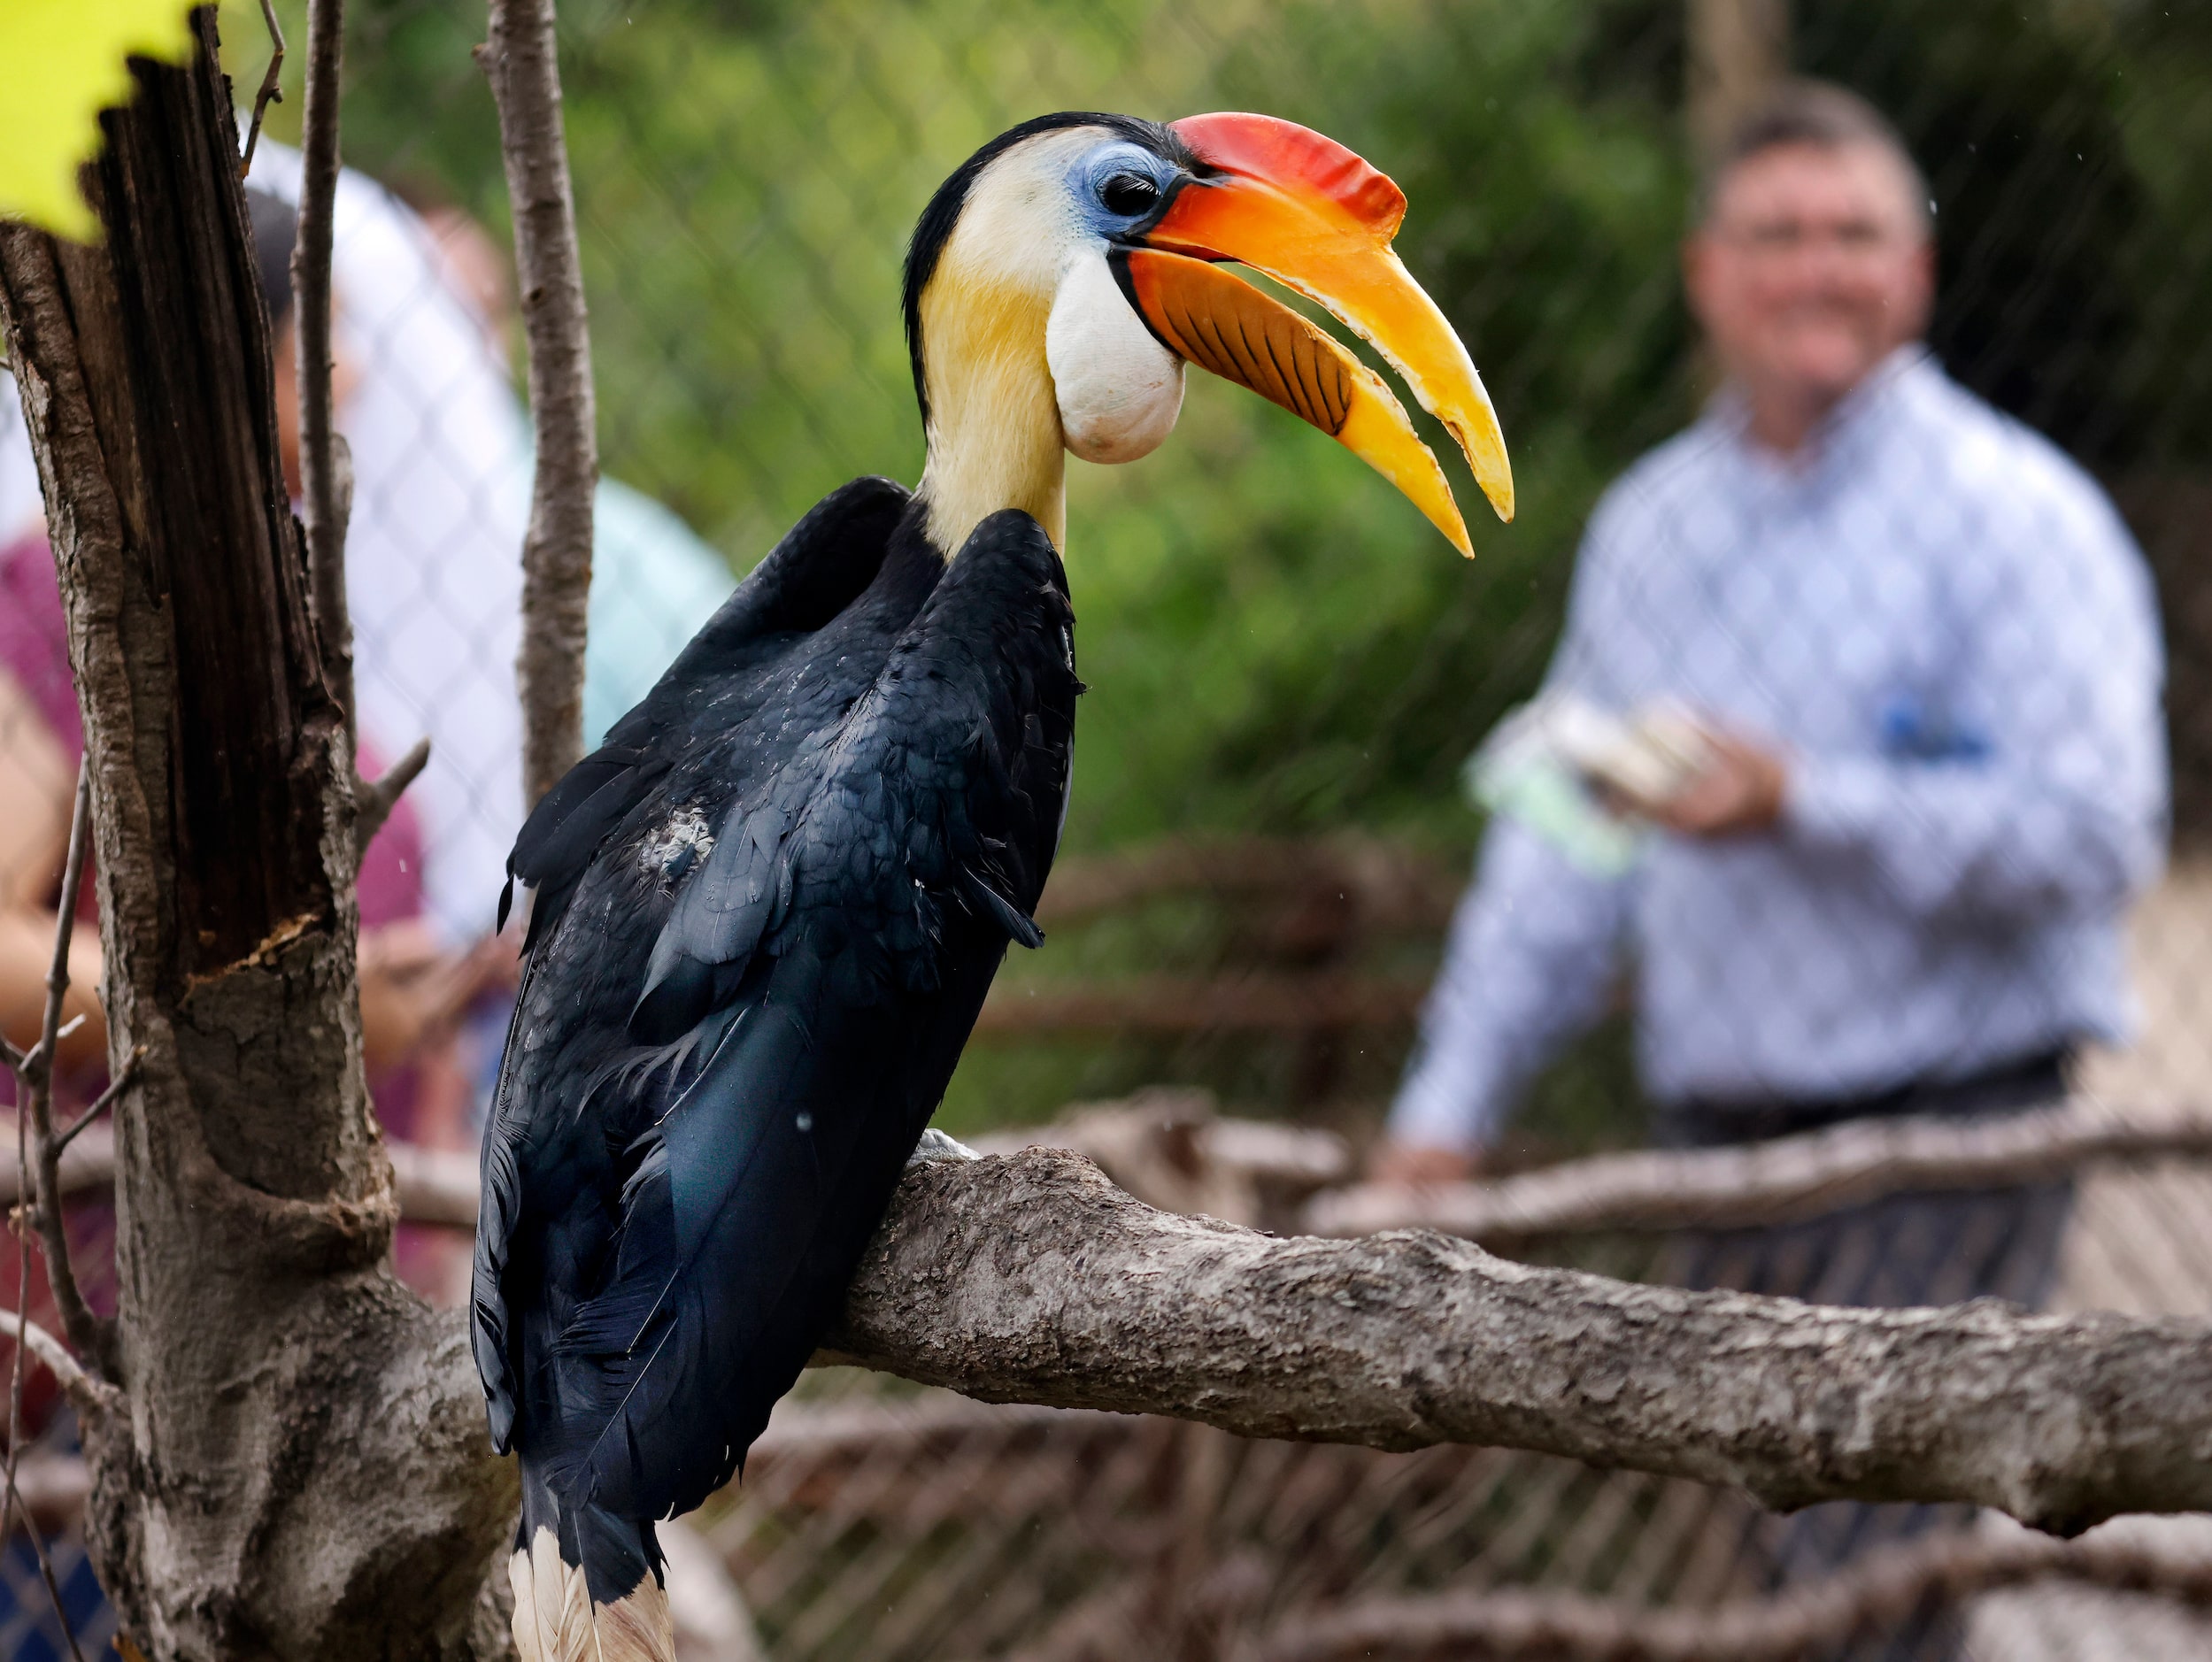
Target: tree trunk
x=522 y=61
x=300 y=1468
x=1737 y=50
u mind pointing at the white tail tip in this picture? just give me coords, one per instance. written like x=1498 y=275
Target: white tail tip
x=555 y=1619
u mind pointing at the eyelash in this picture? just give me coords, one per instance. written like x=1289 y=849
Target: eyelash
x=1129 y=184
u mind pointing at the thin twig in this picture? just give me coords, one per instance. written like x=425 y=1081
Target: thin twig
x=83 y=1327
x=17 y=1222
x=45 y=1568
x=22 y=1509
x=124 y=1079
x=374 y=802
x=326 y=464
x=523 y=65
x=52 y=1354
x=325 y=482
x=65 y=925
x=270 y=93
x=26 y=1089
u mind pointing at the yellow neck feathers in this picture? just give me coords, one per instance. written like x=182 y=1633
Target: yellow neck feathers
x=994 y=428
x=995 y=439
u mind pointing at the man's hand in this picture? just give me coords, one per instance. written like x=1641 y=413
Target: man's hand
x=1739 y=792
x=1421 y=1165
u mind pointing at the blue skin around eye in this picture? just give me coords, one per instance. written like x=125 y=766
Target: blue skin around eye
x=1096 y=167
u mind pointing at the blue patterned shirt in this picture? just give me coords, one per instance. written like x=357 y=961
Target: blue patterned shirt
x=1943 y=624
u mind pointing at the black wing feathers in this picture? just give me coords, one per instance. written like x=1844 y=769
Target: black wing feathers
x=819 y=568
x=714 y=1080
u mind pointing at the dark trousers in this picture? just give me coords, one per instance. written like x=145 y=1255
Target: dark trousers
x=1933 y=1247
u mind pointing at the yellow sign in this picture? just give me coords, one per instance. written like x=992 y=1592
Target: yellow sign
x=65 y=62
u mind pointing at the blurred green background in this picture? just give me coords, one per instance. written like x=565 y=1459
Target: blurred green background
x=1277 y=644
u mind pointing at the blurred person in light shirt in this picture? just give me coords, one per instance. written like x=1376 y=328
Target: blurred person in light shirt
x=1880 y=672
x=1921 y=654
x=653 y=580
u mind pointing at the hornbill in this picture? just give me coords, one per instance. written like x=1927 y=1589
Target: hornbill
x=767 y=909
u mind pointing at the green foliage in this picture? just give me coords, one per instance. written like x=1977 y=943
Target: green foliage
x=1277 y=643
x=1253 y=598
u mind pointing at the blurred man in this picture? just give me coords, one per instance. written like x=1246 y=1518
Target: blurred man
x=1915 y=652
x=1921 y=650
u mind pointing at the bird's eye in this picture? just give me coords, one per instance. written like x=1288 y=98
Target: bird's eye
x=1129 y=194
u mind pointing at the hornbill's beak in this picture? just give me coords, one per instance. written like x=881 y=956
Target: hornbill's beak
x=1303 y=209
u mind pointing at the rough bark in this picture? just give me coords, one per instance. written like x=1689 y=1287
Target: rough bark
x=1032 y=1279
x=298 y=1466
x=1765 y=1182
x=521 y=62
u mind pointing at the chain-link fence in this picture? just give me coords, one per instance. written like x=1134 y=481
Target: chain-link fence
x=1289 y=671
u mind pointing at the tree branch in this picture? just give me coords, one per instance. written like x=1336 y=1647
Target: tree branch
x=522 y=64
x=1295 y=1002
x=28 y=1337
x=20 y=1508
x=374 y=802
x=326 y=476
x=436 y=1185
x=89 y=1393
x=33 y=1152
x=1775 y=1182
x=1877 y=1594
x=125 y=1078
x=326 y=465
x=85 y=1329
x=270 y=93
x=1032 y=1279
x=1737 y=50
x=41 y=1061
x=88 y=1162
